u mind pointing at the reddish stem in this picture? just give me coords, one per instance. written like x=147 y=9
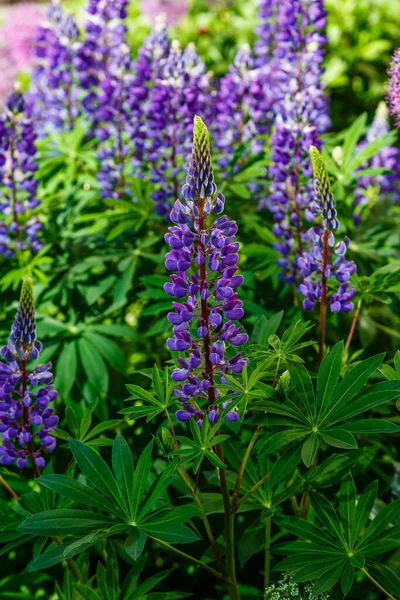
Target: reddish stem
x=27 y=424
x=353 y=325
x=324 y=300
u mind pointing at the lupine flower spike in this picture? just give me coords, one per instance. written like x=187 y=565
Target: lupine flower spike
x=204 y=258
x=26 y=421
x=393 y=92
x=18 y=184
x=317 y=266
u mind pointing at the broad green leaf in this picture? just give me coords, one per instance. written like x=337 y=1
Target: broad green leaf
x=76 y=491
x=303 y=386
x=157 y=489
x=327 y=515
x=385 y=575
x=347 y=506
x=352 y=383
x=367 y=426
x=377 y=394
x=317 y=569
x=97 y=472
x=180 y=514
x=347 y=578
x=309 y=449
x=149 y=583
x=306 y=530
x=135 y=542
x=283 y=467
x=386 y=516
x=110 y=351
x=63 y=521
x=67 y=365
x=86 y=592
x=171 y=533
x=328 y=579
x=339 y=438
x=364 y=507
x=270 y=443
x=49 y=558
x=140 y=478
x=131 y=580
x=94 y=366
x=123 y=468
x=328 y=376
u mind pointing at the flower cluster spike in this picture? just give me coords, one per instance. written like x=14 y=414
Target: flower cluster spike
x=393 y=90
x=203 y=258
x=323 y=191
x=19 y=228
x=385 y=184
x=326 y=258
x=200 y=179
x=26 y=420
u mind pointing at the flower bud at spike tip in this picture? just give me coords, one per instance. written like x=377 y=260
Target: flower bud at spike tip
x=200 y=179
x=323 y=191
x=23 y=331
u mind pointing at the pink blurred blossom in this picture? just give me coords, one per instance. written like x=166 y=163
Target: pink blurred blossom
x=19 y=32
x=173 y=10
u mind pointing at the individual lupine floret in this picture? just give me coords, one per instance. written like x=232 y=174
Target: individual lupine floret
x=54 y=95
x=204 y=258
x=387 y=158
x=19 y=230
x=301 y=116
x=393 y=90
x=326 y=259
x=26 y=420
x=181 y=91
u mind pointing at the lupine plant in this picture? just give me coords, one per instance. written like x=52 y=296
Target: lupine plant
x=207 y=434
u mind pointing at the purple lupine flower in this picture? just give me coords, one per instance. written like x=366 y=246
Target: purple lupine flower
x=19 y=230
x=155 y=49
x=26 y=419
x=393 y=91
x=179 y=93
x=265 y=31
x=204 y=258
x=233 y=124
x=100 y=49
x=54 y=95
x=387 y=158
x=301 y=116
x=326 y=259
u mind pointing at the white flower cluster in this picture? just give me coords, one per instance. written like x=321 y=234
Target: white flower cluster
x=287 y=589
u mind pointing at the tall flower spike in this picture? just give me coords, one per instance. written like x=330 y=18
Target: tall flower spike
x=26 y=421
x=393 y=91
x=323 y=191
x=200 y=179
x=203 y=258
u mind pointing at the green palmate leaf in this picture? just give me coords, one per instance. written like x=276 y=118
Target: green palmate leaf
x=329 y=579
x=384 y=575
x=339 y=438
x=63 y=521
x=135 y=542
x=371 y=426
x=272 y=443
x=307 y=531
x=122 y=463
x=171 y=533
x=110 y=351
x=317 y=569
x=377 y=394
x=140 y=478
x=303 y=386
x=326 y=514
x=94 y=366
x=107 y=578
x=97 y=472
x=363 y=510
x=309 y=449
x=67 y=365
x=86 y=592
x=157 y=489
x=78 y=492
x=347 y=578
x=386 y=516
x=353 y=382
x=150 y=583
x=49 y=558
x=86 y=542
x=132 y=579
x=283 y=467
x=328 y=375
x=347 y=506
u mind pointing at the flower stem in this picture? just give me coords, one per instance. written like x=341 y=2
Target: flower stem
x=267 y=554
x=324 y=300
x=242 y=469
x=353 y=324
x=188 y=557
x=27 y=424
x=378 y=585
